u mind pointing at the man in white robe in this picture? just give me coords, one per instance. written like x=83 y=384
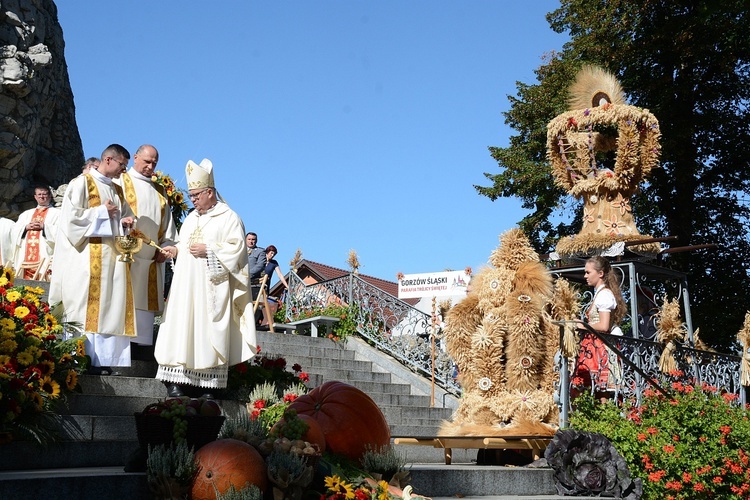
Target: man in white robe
x=7 y=248
x=91 y=283
x=34 y=236
x=208 y=323
x=149 y=202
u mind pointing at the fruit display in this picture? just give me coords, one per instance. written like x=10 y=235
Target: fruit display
x=197 y=420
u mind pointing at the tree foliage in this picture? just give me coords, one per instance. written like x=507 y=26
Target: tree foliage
x=688 y=62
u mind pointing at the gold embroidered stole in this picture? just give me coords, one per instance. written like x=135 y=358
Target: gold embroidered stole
x=33 y=240
x=95 y=271
x=132 y=199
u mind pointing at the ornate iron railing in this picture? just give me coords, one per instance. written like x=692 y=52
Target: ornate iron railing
x=407 y=334
x=391 y=325
x=625 y=367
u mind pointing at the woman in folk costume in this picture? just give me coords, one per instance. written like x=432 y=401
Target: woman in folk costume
x=596 y=363
x=208 y=323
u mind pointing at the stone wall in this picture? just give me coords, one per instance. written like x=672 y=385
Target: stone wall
x=39 y=139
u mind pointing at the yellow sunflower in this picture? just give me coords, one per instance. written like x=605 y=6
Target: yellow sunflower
x=71 y=380
x=3 y=281
x=66 y=358
x=21 y=312
x=13 y=295
x=382 y=490
x=336 y=485
x=4 y=359
x=80 y=348
x=51 y=387
x=37 y=399
x=7 y=324
x=46 y=367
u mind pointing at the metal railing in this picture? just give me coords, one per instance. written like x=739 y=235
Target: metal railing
x=629 y=366
x=407 y=334
x=384 y=321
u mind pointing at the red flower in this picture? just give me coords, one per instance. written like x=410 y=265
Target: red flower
x=674 y=485
x=652 y=430
x=699 y=487
x=725 y=429
x=288 y=398
x=259 y=404
x=303 y=376
x=687 y=477
x=296 y=367
x=655 y=477
x=668 y=448
x=717 y=480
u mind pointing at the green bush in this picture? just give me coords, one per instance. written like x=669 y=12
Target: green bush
x=688 y=445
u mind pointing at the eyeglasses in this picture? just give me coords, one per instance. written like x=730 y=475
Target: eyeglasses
x=195 y=196
x=124 y=166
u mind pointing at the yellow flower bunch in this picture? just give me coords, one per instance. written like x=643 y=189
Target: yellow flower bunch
x=175 y=196
x=36 y=367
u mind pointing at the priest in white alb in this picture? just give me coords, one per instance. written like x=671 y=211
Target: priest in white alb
x=34 y=236
x=90 y=282
x=208 y=323
x=149 y=202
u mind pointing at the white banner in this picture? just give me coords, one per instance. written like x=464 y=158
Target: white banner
x=444 y=284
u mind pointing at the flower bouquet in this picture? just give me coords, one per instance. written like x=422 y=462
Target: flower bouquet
x=175 y=196
x=37 y=368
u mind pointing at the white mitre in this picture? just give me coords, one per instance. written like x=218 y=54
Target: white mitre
x=201 y=175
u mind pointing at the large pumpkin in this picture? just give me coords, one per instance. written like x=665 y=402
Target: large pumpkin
x=224 y=463
x=349 y=418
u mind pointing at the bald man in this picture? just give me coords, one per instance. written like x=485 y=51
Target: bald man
x=150 y=204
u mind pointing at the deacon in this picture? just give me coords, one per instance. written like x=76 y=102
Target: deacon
x=34 y=236
x=150 y=204
x=208 y=322
x=90 y=282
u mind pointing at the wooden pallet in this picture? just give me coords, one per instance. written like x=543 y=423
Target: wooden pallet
x=537 y=444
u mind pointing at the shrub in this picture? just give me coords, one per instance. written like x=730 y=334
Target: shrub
x=688 y=445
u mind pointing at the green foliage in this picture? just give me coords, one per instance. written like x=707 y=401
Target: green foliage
x=385 y=461
x=345 y=327
x=249 y=492
x=690 y=445
x=170 y=470
x=689 y=64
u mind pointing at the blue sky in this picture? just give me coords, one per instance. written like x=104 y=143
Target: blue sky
x=332 y=125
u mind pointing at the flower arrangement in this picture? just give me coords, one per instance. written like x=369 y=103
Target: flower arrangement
x=37 y=369
x=363 y=489
x=689 y=445
x=175 y=196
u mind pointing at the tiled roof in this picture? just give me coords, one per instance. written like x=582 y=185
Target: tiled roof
x=323 y=272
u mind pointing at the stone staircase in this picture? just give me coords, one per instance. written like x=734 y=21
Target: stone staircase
x=99 y=430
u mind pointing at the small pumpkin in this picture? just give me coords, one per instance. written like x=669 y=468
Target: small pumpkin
x=224 y=463
x=349 y=418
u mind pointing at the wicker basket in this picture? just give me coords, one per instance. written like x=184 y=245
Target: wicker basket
x=153 y=429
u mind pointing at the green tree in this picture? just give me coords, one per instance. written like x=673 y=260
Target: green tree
x=688 y=62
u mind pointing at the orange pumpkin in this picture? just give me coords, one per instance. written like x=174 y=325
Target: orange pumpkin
x=224 y=463
x=349 y=418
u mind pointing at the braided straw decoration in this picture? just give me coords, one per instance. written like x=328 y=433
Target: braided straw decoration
x=671 y=330
x=744 y=338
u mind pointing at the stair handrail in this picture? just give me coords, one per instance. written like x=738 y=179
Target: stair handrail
x=384 y=321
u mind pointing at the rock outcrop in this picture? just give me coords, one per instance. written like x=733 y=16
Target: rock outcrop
x=39 y=139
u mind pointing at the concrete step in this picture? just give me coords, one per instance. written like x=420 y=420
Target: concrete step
x=464 y=481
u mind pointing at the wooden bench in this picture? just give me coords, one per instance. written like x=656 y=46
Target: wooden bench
x=314 y=322
x=537 y=444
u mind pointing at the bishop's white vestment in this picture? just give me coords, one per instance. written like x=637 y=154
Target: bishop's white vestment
x=92 y=284
x=208 y=322
x=149 y=203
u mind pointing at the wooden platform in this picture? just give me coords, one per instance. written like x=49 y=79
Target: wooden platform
x=537 y=444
